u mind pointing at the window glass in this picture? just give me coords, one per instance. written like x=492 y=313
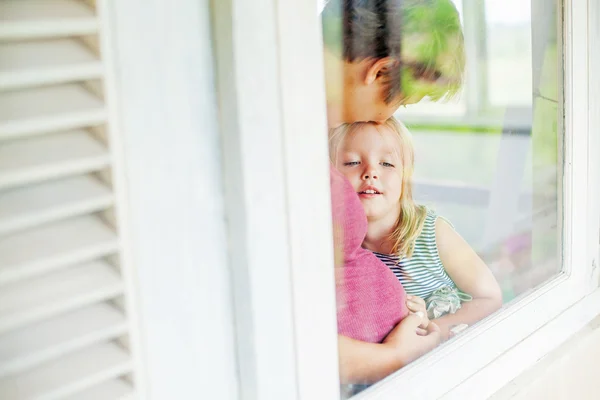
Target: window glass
x=445 y=131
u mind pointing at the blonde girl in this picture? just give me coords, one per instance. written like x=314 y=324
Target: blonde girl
x=440 y=272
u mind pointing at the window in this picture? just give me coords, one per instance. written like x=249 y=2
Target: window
x=295 y=160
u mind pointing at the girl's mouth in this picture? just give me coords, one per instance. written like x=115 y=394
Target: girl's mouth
x=369 y=193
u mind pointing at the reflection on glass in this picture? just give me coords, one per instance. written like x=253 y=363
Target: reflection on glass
x=459 y=189
x=492 y=167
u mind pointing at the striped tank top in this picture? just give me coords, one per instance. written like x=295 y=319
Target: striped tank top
x=423 y=273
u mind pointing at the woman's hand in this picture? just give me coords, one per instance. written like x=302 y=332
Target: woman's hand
x=365 y=363
x=409 y=341
x=416 y=304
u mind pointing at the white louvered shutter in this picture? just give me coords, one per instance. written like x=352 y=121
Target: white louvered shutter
x=63 y=327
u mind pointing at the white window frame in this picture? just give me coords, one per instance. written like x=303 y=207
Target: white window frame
x=525 y=330
x=283 y=276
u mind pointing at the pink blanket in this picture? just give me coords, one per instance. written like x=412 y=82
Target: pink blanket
x=370 y=299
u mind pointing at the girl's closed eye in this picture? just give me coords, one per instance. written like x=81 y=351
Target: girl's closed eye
x=351 y=163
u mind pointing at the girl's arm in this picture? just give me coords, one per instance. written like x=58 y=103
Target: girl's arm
x=365 y=363
x=470 y=274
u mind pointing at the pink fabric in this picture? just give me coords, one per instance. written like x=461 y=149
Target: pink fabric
x=370 y=299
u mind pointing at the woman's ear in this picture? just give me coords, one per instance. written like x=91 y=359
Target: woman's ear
x=378 y=69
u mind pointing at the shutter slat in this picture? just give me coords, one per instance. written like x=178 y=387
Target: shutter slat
x=53 y=246
x=29 y=19
x=114 y=390
x=69 y=375
x=54 y=294
x=33 y=345
x=63 y=332
x=26 y=64
x=48 y=109
x=48 y=157
x=27 y=207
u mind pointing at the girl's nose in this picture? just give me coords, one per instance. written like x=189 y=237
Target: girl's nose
x=370 y=175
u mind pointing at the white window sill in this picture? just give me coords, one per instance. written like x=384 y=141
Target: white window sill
x=530 y=351
x=501 y=371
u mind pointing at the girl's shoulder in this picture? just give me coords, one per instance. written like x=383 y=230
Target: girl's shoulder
x=435 y=227
x=432 y=218
x=437 y=232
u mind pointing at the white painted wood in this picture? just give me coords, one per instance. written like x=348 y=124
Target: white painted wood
x=110 y=390
x=131 y=302
x=50 y=156
x=255 y=196
x=48 y=109
x=31 y=206
x=69 y=375
x=462 y=357
x=311 y=252
x=53 y=246
x=25 y=64
x=57 y=293
x=594 y=144
x=528 y=352
x=577 y=186
x=54 y=321
x=36 y=344
x=29 y=19
x=167 y=132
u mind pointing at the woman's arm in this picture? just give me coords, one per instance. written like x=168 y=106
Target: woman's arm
x=362 y=362
x=470 y=274
x=365 y=363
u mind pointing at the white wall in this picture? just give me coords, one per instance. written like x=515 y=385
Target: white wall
x=172 y=150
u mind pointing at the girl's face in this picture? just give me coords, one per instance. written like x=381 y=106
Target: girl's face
x=370 y=157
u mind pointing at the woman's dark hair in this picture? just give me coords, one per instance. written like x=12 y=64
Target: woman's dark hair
x=423 y=37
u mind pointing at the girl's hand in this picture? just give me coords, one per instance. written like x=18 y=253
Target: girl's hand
x=470 y=274
x=416 y=304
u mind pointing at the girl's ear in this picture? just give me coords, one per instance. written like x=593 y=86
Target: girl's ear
x=378 y=69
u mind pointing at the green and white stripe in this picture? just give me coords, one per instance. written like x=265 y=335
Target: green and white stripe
x=423 y=273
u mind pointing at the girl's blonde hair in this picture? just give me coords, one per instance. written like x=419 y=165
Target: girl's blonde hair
x=412 y=216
